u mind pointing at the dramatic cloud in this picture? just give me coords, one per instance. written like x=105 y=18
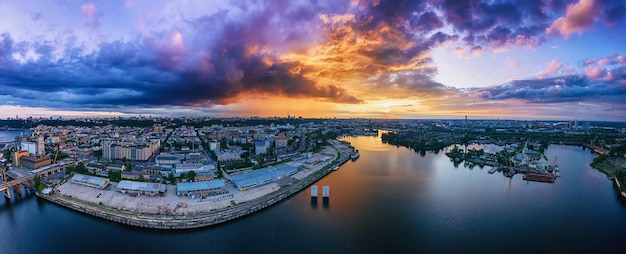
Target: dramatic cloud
x=128 y=56
x=559 y=89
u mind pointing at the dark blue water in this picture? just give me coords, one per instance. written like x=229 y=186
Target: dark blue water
x=8 y=135
x=391 y=200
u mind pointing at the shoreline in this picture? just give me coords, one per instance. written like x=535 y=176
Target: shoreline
x=193 y=220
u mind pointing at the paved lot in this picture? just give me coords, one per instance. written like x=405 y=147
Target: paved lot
x=173 y=204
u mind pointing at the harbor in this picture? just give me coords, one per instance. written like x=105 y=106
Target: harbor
x=511 y=160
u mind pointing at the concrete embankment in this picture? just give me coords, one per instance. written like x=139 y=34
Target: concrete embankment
x=619 y=187
x=188 y=221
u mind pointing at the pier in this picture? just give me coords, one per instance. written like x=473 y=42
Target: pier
x=314 y=191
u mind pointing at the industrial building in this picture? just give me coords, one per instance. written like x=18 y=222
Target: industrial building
x=203 y=189
x=265 y=175
x=34 y=146
x=35 y=163
x=260 y=147
x=140 y=188
x=90 y=181
x=131 y=151
x=17 y=155
x=166 y=159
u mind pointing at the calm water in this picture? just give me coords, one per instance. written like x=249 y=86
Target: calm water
x=8 y=135
x=391 y=200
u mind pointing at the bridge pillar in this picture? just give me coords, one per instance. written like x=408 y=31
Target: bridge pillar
x=17 y=189
x=29 y=185
x=7 y=193
x=3 y=174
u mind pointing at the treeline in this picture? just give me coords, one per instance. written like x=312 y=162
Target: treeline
x=26 y=124
x=415 y=144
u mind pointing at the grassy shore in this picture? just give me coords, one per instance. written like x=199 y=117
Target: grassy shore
x=610 y=171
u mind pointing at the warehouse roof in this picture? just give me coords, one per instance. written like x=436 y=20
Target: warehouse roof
x=200 y=186
x=140 y=186
x=99 y=181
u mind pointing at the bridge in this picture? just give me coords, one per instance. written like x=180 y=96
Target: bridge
x=27 y=180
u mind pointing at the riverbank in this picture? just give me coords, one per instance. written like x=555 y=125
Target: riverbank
x=607 y=168
x=202 y=216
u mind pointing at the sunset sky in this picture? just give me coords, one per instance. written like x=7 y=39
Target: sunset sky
x=526 y=59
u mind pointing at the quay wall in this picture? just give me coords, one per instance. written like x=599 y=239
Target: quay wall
x=189 y=221
x=619 y=188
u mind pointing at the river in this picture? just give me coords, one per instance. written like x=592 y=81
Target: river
x=390 y=200
x=6 y=136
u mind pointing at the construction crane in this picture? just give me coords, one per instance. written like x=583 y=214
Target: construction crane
x=594 y=141
x=56 y=155
x=71 y=150
x=552 y=165
x=556 y=158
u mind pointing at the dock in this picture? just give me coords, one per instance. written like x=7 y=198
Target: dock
x=325 y=191
x=314 y=191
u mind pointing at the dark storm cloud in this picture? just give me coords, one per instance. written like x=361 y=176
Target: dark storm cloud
x=497 y=24
x=558 y=89
x=158 y=69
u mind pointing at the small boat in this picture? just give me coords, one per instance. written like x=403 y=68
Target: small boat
x=355 y=155
x=492 y=170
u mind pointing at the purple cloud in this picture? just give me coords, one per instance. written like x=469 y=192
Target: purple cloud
x=558 y=89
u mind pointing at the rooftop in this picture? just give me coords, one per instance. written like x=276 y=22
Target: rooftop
x=99 y=181
x=140 y=186
x=199 y=186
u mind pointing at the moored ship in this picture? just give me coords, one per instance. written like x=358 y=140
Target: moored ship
x=355 y=155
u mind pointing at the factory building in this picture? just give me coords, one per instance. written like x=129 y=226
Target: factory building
x=90 y=181
x=141 y=188
x=201 y=189
x=265 y=175
x=35 y=162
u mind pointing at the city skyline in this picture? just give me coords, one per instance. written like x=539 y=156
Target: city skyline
x=558 y=60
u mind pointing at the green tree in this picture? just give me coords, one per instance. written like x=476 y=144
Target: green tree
x=115 y=176
x=80 y=168
x=7 y=155
x=220 y=174
x=39 y=186
x=172 y=178
x=191 y=175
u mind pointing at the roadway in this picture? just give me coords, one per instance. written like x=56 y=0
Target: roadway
x=4 y=186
